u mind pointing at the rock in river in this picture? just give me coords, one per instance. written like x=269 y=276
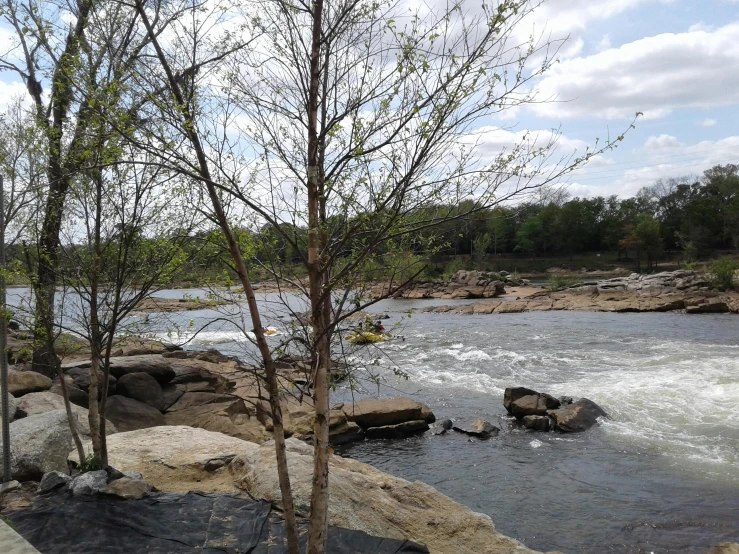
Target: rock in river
x=479 y=428
x=577 y=417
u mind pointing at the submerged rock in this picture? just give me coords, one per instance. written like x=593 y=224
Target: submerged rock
x=399 y=431
x=480 y=428
x=441 y=427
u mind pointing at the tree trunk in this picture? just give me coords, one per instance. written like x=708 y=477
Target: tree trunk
x=44 y=355
x=318 y=525
x=233 y=247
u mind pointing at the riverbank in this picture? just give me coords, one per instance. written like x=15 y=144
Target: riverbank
x=661 y=292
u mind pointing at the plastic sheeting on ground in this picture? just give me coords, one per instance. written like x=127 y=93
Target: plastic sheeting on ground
x=165 y=523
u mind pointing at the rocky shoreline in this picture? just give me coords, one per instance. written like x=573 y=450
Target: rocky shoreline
x=661 y=292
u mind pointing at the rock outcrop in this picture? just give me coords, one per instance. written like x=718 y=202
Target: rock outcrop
x=174 y=459
x=366 y=499
x=660 y=292
x=12 y=408
x=142 y=387
x=542 y=412
x=479 y=428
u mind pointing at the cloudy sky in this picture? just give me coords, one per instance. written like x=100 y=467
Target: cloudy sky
x=677 y=61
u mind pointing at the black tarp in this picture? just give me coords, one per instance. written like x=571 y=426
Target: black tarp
x=165 y=523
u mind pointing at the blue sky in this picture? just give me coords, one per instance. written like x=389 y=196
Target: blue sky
x=675 y=60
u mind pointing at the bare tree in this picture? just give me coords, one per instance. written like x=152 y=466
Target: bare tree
x=364 y=120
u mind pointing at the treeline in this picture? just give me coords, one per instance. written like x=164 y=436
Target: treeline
x=693 y=217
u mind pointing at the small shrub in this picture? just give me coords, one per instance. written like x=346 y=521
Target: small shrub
x=723 y=273
x=557 y=282
x=90 y=463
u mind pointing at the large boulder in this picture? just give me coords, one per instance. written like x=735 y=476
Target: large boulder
x=128 y=414
x=81 y=377
x=142 y=387
x=76 y=395
x=23 y=382
x=379 y=413
x=41 y=402
x=153 y=364
x=40 y=443
x=173 y=459
x=512 y=394
x=536 y=405
x=12 y=408
x=366 y=499
x=577 y=417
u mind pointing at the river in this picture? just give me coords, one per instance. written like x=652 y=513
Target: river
x=660 y=476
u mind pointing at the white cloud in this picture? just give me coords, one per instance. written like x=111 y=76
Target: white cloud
x=650 y=164
x=654 y=75
x=661 y=143
x=700 y=26
x=9 y=91
x=708 y=122
x=604 y=44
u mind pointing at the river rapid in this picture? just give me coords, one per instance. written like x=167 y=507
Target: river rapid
x=660 y=476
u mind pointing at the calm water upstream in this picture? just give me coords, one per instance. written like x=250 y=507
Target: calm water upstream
x=661 y=476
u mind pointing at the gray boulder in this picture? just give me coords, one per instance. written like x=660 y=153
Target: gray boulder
x=81 y=377
x=23 y=382
x=533 y=405
x=577 y=417
x=128 y=414
x=39 y=444
x=142 y=387
x=76 y=395
x=153 y=364
x=41 y=402
x=512 y=394
x=89 y=483
x=53 y=480
x=479 y=428
x=441 y=427
x=379 y=413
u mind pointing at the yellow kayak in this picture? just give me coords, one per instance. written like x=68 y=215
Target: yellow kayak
x=367 y=337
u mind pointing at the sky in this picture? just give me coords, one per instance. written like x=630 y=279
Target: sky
x=677 y=61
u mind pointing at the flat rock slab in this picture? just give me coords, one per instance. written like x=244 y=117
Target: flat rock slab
x=379 y=413
x=192 y=523
x=13 y=543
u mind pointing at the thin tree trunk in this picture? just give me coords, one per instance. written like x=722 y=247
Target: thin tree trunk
x=318 y=527
x=94 y=415
x=71 y=419
x=233 y=247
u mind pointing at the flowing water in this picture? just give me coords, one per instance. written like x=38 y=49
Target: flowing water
x=660 y=476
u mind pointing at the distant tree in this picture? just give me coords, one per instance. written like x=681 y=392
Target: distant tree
x=530 y=236
x=480 y=246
